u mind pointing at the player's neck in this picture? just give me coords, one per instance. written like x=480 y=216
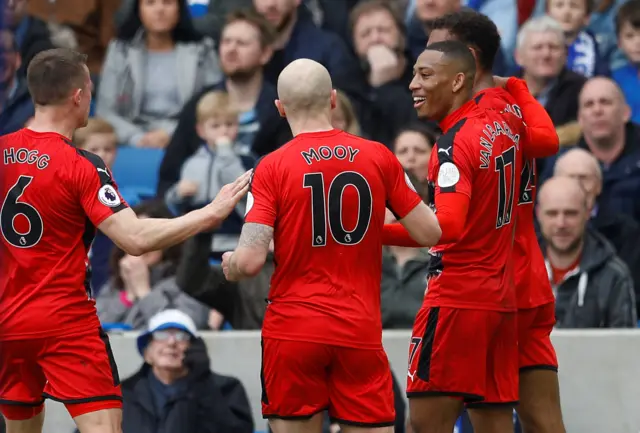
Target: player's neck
x=52 y=120
x=169 y=376
x=245 y=93
x=563 y=260
x=483 y=81
x=309 y=124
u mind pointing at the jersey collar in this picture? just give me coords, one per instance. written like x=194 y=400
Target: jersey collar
x=468 y=109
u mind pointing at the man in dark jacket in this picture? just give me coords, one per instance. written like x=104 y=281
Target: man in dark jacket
x=593 y=286
x=245 y=48
x=170 y=395
x=16 y=107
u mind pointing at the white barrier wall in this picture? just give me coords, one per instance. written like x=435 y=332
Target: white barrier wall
x=599 y=375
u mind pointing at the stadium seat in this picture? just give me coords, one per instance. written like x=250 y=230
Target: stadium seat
x=136 y=172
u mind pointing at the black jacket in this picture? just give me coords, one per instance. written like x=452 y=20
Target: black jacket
x=273 y=133
x=562 y=104
x=599 y=293
x=212 y=403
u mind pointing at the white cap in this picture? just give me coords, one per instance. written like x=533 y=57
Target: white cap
x=167 y=319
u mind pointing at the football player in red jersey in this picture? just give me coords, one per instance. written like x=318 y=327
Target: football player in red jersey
x=464 y=343
x=53 y=196
x=322 y=198
x=539 y=404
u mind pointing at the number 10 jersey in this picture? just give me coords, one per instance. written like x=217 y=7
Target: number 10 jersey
x=52 y=198
x=325 y=195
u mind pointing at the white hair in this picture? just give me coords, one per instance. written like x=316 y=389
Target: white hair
x=541 y=24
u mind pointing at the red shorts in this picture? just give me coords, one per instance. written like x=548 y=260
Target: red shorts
x=301 y=379
x=467 y=354
x=77 y=370
x=534 y=338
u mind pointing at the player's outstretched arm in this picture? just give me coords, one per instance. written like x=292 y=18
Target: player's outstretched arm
x=422 y=226
x=542 y=139
x=249 y=258
x=137 y=236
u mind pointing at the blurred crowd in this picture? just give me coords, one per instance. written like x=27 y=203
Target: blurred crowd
x=183 y=104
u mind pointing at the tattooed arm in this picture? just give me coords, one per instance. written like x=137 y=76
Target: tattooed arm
x=247 y=260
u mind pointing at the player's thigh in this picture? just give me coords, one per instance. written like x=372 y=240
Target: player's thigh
x=308 y=425
x=539 y=409
x=295 y=382
x=356 y=429
x=82 y=374
x=22 y=381
x=32 y=424
x=495 y=413
x=100 y=421
x=361 y=388
x=448 y=353
x=534 y=336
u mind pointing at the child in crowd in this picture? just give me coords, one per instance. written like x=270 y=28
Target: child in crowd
x=627 y=75
x=98 y=137
x=215 y=164
x=583 y=53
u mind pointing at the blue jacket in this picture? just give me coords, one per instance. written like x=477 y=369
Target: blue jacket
x=629 y=82
x=17 y=110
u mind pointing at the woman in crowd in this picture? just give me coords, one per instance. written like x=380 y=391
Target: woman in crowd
x=155 y=64
x=412 y=147
x=140 y=287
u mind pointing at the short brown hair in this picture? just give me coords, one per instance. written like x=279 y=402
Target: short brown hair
x=213 y=104
x=53 y=74
x=629 y=13
x=95 y=125
x=250 y=16
x=369 y=6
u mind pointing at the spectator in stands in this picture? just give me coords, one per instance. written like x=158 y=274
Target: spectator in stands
x=175 y=390
x=404 y=273
x=380 y=43
x=627 y=75
x=98 y=137
x=244 y=50
x=143 y=286
x=593 y=286
x=32 y=35
x=583 y=53
x=621 y=230
x=426 y=11
x=297 y=37
x=16 y=107
x=542 y=55
x=412 y=147
x=615 y=142
x=344 y=117
x=217 y=163
x=155 y=65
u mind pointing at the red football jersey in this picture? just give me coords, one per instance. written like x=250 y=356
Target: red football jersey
x=531 y=279
x=325 y=195
x=478 y=156
x=53 y=198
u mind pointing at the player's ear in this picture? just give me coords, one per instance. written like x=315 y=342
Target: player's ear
x=77 y=96
x=334 y=99
x=458 y=82
x=280 y=108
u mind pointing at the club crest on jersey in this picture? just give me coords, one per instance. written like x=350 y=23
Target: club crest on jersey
x=249 y=203
x=108 y=196
x=409 y=183
x=448 y=175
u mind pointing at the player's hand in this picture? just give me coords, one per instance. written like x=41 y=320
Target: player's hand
x=500 y=81
x=187 y=188
x=228 y=198
x=384 y=65
x=226 y=266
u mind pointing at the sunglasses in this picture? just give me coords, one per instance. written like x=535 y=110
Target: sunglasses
x=166 y=335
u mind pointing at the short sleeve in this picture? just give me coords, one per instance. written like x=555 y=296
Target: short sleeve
x=96 y=188
x=402 y=197
x=261 y=198
x=453 y=163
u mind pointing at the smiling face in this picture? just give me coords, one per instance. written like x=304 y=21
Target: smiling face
x=434 y=85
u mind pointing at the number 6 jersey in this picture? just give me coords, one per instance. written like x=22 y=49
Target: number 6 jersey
x=53 y=196
x=325 y=195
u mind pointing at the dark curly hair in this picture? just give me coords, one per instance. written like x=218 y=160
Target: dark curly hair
x=473 y=29
x=184 y=30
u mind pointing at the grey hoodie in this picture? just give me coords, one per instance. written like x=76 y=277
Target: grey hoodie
x=599 y=293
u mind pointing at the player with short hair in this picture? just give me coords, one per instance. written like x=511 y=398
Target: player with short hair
x=464 y=345
x=322 y=198
x=53 y=197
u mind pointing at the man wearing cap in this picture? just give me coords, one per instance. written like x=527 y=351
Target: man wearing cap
x=175 y=390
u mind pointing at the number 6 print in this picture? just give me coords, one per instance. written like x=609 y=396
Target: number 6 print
x=11 y=208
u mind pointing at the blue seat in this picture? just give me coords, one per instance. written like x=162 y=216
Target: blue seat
x=136 y=171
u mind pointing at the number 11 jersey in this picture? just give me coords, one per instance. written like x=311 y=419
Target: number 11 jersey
x=325 y=195
x=53 y=196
